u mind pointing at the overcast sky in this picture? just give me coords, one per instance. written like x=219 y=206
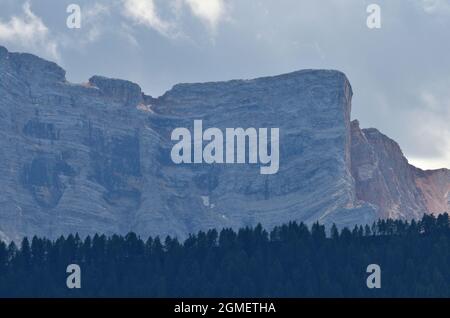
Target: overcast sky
x=400 y=73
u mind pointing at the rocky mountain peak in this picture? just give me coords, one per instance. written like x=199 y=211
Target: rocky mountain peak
x=384 y=177
x=121 y=91
x=33 y=68
x=3 y=52
x=75 y=160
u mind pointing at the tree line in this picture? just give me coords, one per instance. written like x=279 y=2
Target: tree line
x=291 y=260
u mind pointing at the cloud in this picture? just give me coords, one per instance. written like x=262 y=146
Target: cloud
x=144 y=12
x=91 y=17
x=93 y=22
x=29 y=32
x=436 y=6
x=149 y=13
x=210 y=11
x=127 y=33
x=96 y=10
x=429 y=144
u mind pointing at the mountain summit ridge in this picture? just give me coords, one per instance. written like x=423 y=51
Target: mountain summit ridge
x=95 y=158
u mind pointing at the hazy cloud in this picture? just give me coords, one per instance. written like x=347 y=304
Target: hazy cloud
x=28 y=32
x=144 y=12
x=210 y=11
x=92 y=18
x=148 y=13
x=436 y=6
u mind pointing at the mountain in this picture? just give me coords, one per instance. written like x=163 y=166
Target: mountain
x=384 y=178
x=95 y=157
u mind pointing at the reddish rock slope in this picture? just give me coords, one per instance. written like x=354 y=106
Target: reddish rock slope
x=384 y=177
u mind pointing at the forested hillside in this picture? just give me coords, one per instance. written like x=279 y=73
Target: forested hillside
x=289 y=261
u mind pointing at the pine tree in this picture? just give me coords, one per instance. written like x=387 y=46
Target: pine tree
x=334 y=232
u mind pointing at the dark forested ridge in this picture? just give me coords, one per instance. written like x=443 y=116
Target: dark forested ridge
x=290 y=261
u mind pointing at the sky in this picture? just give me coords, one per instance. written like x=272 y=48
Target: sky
x=400 y=72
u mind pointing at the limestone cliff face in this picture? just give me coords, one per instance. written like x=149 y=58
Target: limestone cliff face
x=312 y=110
x=385 y=178
x=96 y=157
